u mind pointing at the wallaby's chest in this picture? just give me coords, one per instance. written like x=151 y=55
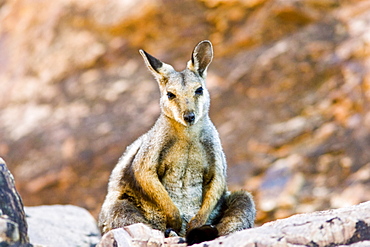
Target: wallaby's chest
x=183 y=165
x=182 y=171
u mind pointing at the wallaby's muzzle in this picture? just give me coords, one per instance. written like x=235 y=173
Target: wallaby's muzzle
x=189 y=117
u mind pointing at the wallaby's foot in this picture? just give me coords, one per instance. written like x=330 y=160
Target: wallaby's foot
x=201 y=234
x=169 y=232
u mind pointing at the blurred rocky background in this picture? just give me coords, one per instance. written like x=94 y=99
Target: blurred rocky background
x=290 y=86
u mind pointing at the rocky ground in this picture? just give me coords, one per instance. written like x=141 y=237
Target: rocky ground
x=341 y=227
x=67 y=225
x=290 y=86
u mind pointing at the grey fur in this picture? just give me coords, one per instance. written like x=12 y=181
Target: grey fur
x=174 y=176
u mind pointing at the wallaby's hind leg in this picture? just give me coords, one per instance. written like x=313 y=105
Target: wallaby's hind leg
x=122 y=213
x=238 y=213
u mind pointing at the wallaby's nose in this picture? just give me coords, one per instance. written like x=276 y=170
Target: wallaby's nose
x=189 y=117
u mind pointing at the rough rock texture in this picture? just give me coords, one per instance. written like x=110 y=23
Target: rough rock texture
x=290 y=87
x=349 y=226
x=13 y=226
x=61 y=226
x=138 y=235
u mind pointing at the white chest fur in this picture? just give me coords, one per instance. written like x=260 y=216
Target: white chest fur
x=183 y=176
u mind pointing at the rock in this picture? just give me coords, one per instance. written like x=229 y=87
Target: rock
x=349 y=226
x=61 y=225
x=138 y=235
x=13 y=226
x=54 y=226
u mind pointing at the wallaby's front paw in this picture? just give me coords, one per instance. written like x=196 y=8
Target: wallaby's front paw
x=192 y=224
x=195 y=222
x=174 y=221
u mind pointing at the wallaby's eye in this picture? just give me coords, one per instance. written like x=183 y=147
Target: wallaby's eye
x=170 y=95
x=199 y=91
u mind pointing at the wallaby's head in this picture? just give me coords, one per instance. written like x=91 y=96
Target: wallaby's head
x=184 y=96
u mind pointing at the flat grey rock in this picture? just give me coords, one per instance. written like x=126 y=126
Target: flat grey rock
x=61 y=225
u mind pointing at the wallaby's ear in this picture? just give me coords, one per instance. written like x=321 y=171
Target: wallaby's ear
x=159 y=69
x=201 y=58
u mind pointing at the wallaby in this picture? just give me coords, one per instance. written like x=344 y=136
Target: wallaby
x=173 y=178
